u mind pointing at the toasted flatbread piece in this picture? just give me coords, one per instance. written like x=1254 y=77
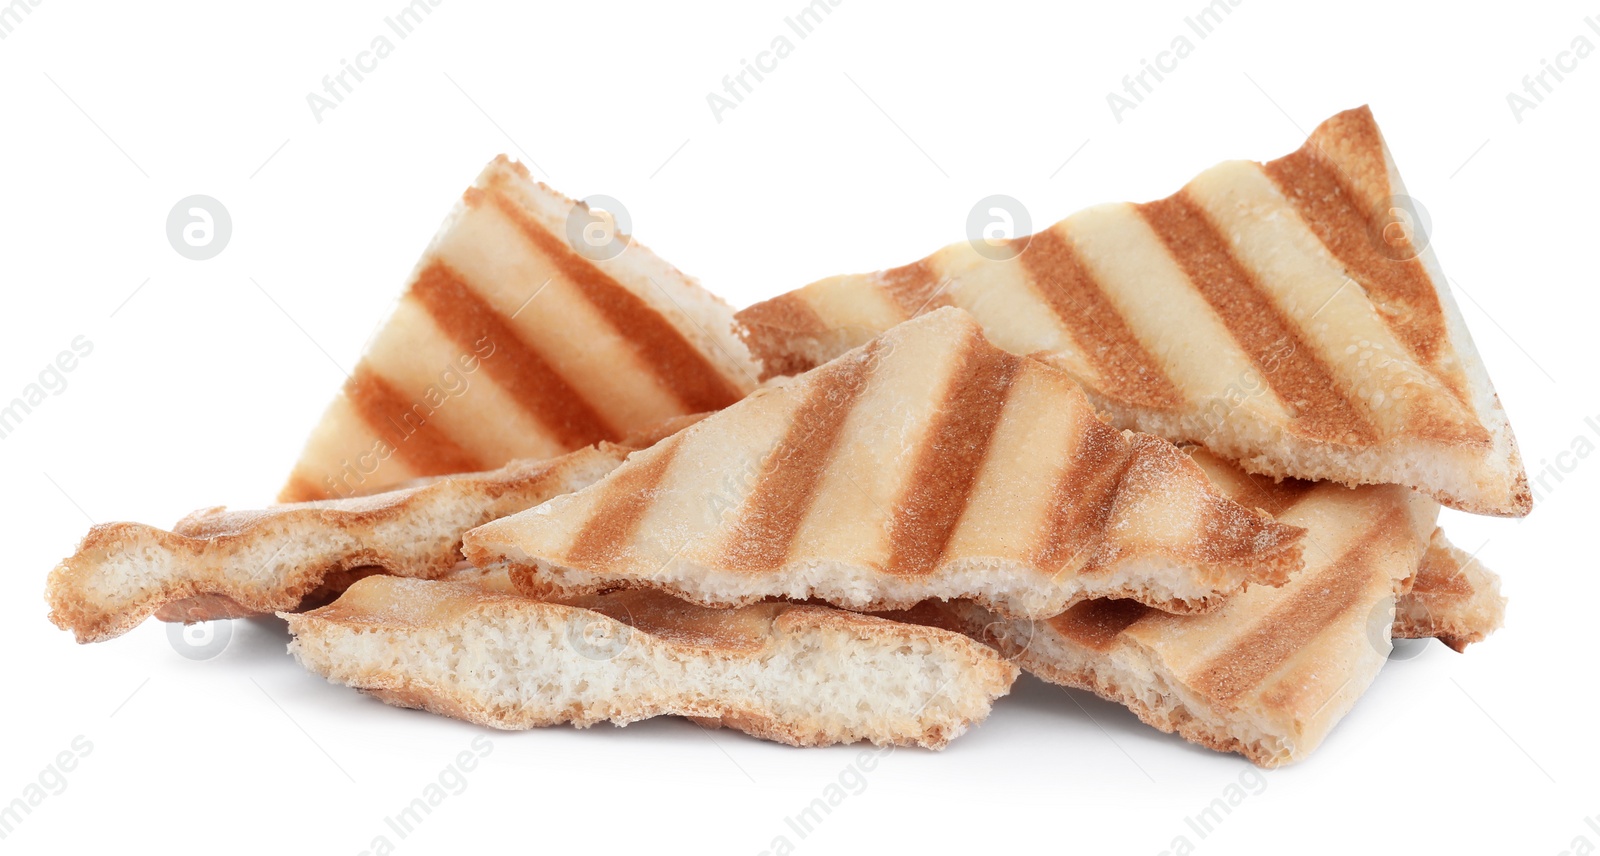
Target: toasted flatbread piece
x=1271 y=671
x=227 y=564
x=1455 y=599
x=926 y=464
x=1286 y=315
x=798 y=674
x=530 y=328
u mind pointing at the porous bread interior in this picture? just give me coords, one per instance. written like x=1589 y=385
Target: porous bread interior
x=1010 y=588
x=701 y=316
x=124 y=572
x=517 y=668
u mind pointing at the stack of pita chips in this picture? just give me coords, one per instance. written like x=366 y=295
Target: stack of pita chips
x=1187 y=455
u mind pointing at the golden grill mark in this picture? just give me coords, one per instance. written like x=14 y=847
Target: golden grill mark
x=417 y=440
x=947 y=464
x=1272 y=340
x=791 y=473
x=520 y=370
x=1126 y=370
x=682 y=369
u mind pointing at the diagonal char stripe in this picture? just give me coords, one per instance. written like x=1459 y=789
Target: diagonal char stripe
x=1083 y=495
x=520 y=370
x=946 y=466
x=787 y=485
x=405 y=425
x=1126 y=370
x=1259 y=651
x=1319 y=195
x=681 y=368
x=1279 y=352
x=629 y=494
x=915 y=288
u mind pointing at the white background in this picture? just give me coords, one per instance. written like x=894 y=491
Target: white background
x=865 y=148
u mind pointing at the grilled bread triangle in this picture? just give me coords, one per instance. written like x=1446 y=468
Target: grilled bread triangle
x=798 y=674
x=530 y=328
x=218 y=563
x=926 y=464
x=1289 y=315
x=1270 y=672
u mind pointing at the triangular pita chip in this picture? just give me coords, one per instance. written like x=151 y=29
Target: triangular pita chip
x=926 y=464
x=218 y=563
x=532 y=326
x=1289 y=315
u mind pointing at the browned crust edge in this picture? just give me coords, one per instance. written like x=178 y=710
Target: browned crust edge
x=212 y=591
